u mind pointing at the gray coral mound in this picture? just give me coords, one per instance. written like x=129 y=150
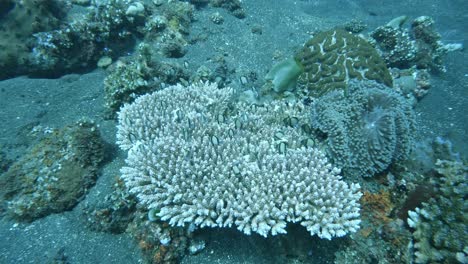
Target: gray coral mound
x=196 y=158
x=367 y=129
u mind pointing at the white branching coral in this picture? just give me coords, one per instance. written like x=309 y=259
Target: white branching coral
x=196 y=157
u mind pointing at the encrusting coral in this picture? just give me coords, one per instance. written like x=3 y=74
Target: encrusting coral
x=439 y=225
x=197 y=157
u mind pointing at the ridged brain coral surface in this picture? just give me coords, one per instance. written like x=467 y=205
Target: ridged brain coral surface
x=198 y=159
x=332 y=58
x=367 y=129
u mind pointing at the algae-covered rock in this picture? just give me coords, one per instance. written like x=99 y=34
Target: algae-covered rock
x=431 y=50
x=395 y=46
x=105 y=30
x=54 y=174
x=125 y=81
x=233 y=6
x=4 y=161
x=19 y=20
x=332 y=58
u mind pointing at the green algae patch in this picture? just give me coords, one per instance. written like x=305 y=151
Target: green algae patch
x=283 y=76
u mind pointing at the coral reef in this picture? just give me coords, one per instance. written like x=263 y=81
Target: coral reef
x=427 y=152
x=19 y=20
x=355 y=26
x=150 y=67
x=233 y=6
x=412 y=83
x=197 y=157
x=4 y=161
x=114 y=213
x=388 y=244
x=118 y=212
x=327 y=62
x=159 y=242
x=132 y=76
x=54 y=174
x=383 y=237
x=125 y=81
x=427 y=40
x=167 y=28
x=366 y=130
x=439 y=225
x=108 y=29
x=332 y=58
x=395 y=45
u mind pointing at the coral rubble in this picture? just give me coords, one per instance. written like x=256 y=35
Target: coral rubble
x=54 y=174
x=418 y=45
x=19 y=20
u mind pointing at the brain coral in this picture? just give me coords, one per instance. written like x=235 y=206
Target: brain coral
x=332 y=58
x=366 y=130
x=195 y=157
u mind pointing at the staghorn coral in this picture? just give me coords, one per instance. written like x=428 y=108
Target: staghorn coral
x=195 y=157
x=366 y=130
